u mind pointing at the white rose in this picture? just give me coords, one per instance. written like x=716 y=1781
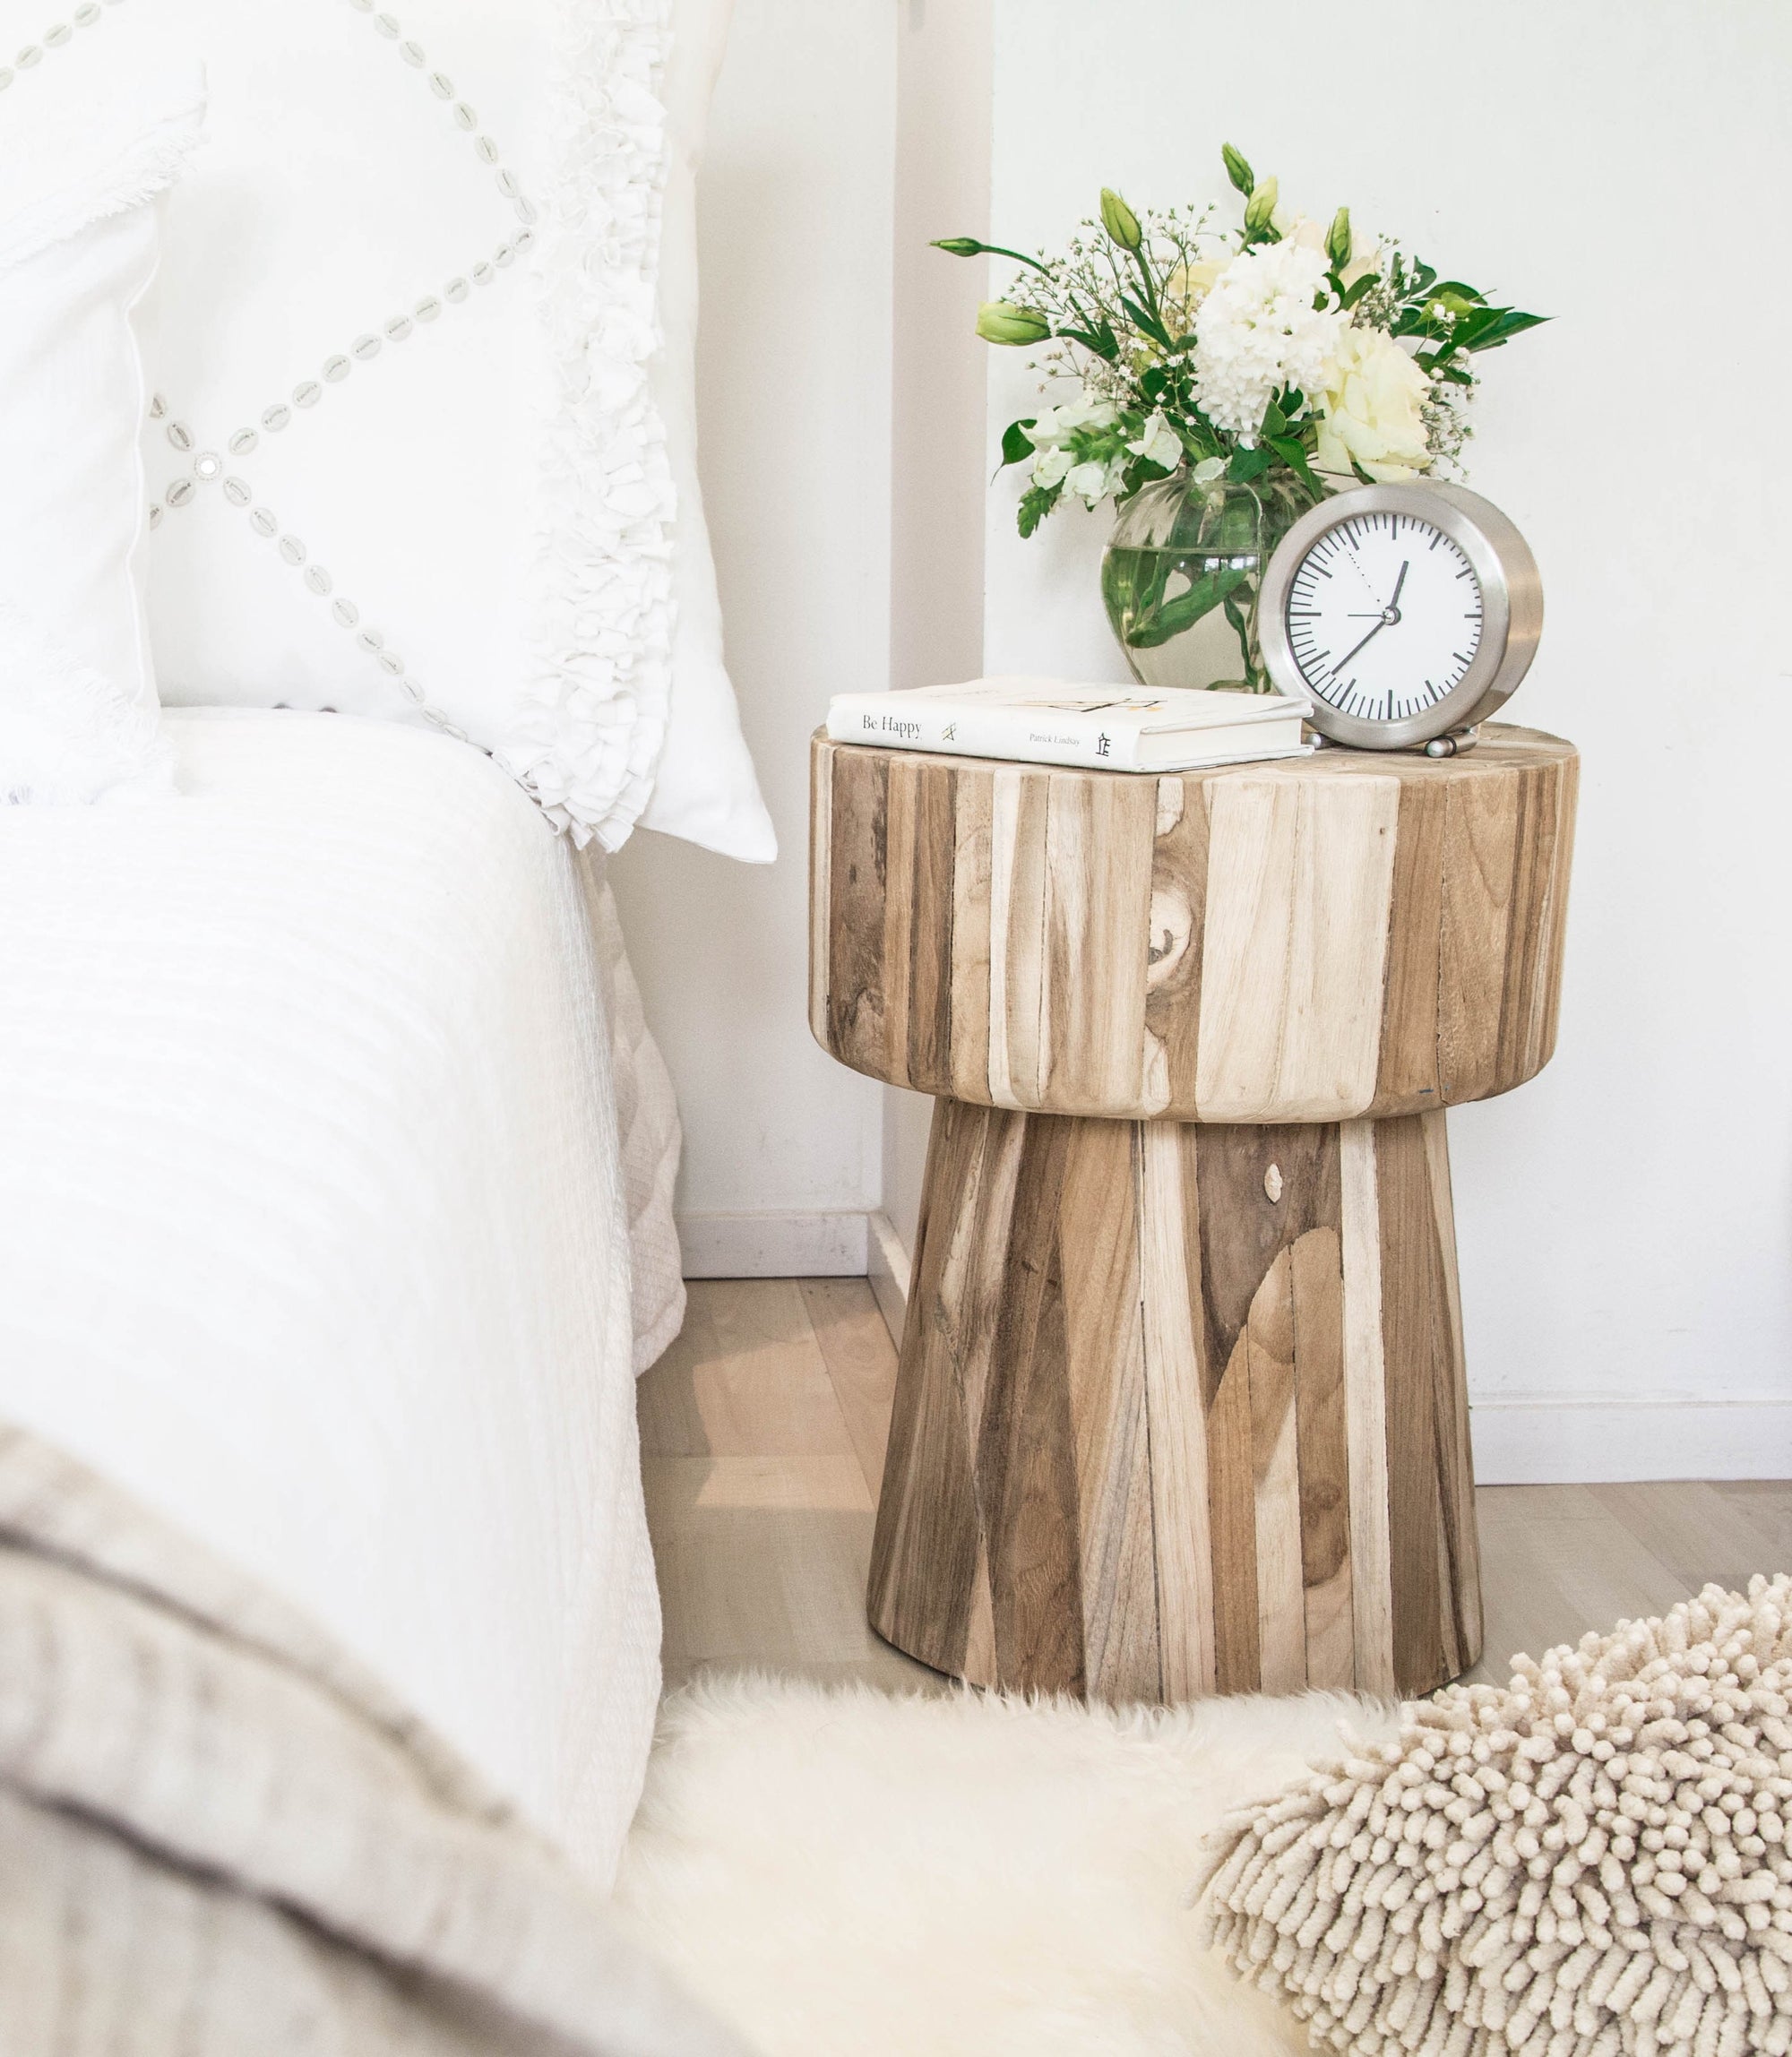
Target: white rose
x=1370 y=410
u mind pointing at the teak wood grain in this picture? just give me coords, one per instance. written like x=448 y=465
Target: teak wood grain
x=1321 y=939
x=1167 y=1424
x=1181 y=1406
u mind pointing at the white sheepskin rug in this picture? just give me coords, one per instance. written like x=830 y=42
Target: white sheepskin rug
x=842 y=1872
x=68 y=736
x=1590 y=1861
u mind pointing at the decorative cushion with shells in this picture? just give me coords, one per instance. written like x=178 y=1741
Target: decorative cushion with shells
x=415 y=447
x=1592 y=1861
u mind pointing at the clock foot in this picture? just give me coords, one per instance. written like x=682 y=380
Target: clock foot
x=1457 y=742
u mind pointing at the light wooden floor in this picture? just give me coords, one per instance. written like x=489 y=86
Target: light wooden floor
x=762 y=1434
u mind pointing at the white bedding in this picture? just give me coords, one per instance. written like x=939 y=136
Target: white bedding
x=313 y=1225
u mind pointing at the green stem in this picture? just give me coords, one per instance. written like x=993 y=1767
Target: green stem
x=1150 y=286
x=1020 y=257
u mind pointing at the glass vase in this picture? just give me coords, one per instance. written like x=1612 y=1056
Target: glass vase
x=1182 y=572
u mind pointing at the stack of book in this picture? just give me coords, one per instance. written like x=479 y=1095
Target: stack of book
x=1105 y=727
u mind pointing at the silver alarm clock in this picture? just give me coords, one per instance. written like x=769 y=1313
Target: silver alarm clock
x=1400 y=613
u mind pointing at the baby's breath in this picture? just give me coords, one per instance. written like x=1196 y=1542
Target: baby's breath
x=1176 y=337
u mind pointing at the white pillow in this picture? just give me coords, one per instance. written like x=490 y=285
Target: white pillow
x=80 y=174
x=68 y=734
x=406 y=458
x=696 y=795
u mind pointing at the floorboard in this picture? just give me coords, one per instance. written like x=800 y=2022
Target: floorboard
x=762 y=1435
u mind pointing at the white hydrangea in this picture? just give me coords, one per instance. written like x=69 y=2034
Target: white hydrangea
x=1258 y=331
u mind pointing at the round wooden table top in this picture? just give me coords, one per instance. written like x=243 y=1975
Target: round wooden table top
x=1314 y=940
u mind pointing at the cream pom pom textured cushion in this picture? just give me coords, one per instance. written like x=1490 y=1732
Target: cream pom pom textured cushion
x=1592 y=1862
x=422 y=442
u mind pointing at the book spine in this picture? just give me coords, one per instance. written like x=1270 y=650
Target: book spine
x=985 y=732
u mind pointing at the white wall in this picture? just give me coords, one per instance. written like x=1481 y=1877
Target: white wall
x=939 y=483
x=1625 y=1221
x=783 y=1147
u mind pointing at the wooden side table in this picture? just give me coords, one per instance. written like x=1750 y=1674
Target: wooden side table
x=1181 y=1406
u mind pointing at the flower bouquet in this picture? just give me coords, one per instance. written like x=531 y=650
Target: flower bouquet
x=1225 y=378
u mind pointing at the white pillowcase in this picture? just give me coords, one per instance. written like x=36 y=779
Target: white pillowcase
x=406 y=458
x=68 y=734
x=80 y=174
x=698 y=794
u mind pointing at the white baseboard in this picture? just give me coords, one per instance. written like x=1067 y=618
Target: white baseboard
x=888 y=1269
x=1525 y=1440
x=773 y=1245
x=1534 y=1440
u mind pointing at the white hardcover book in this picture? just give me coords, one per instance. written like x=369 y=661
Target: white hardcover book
x=1048 y=721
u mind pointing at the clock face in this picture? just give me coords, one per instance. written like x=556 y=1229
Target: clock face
x=1383 y=616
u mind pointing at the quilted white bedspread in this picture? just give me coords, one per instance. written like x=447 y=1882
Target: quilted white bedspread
x=313 y=1225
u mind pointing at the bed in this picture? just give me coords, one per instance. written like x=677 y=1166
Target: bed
x=335 y=1163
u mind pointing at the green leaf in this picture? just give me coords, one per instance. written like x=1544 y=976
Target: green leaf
x=1152 y=631
x=1462 y=291
x=1237 y=169
x=1144 y=321
x=1246 y=464
x=1133 y=582
x=1294 y=455
x=1017 y=445
x=1485 y=327
x=1036 y=504
x=1140 y=471
x=1512 y=322
x=1103 y=341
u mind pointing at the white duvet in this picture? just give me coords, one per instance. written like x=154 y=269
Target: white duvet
x=312 y=1226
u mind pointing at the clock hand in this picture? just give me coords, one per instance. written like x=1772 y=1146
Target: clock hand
x=1356 y=566
x=1381 y=622
x=1384 y=618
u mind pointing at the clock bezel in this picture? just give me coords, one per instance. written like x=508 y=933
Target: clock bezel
x=1511 y=609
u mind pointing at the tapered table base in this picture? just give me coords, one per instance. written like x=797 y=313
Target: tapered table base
x=1181 y=1410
